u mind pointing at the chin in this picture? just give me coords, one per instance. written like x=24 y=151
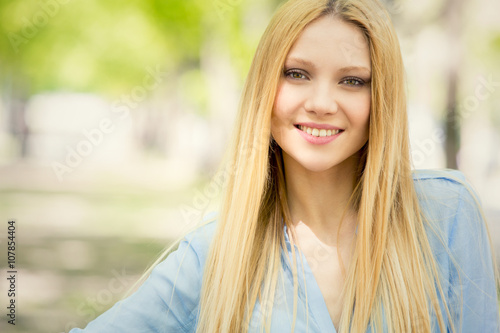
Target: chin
x=320 y=166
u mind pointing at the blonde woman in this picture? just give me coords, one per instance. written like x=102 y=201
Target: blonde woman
x=324 y=227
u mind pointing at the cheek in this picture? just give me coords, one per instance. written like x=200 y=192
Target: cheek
x=282 y=111
x=287 y=101
x=278 y=126
x=280 y=108
x=360 y=114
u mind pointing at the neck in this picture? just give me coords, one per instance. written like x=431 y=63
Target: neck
x=320 y=200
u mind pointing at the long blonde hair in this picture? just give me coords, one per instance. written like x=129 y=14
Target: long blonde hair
x=392 y=262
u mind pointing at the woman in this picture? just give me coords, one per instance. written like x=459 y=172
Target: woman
x=324 y=227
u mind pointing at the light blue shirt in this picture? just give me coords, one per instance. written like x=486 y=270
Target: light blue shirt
x=449 y=205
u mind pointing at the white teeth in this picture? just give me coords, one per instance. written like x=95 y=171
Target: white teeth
x=318 y=132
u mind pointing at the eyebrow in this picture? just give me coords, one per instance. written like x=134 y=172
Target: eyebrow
x=301 y=61
x=341 y=70
x=353 y=68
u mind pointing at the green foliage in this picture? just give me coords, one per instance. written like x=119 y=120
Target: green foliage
x=105 y=46
x=495 y=44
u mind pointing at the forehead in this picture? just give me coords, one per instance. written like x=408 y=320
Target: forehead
x=331 y=40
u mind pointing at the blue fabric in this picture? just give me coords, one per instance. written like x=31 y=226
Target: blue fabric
x=451 y=210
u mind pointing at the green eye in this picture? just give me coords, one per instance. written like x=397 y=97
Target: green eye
x=295 y=74
x=352 y=81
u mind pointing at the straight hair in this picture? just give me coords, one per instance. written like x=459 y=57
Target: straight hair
x=392 y=262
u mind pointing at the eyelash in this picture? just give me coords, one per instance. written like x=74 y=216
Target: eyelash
x=357 y=81
x=289 y=73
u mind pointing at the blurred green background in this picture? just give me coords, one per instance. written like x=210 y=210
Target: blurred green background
x=114 y=116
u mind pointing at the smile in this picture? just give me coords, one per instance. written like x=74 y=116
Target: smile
x=318 y=132
x=318 y=136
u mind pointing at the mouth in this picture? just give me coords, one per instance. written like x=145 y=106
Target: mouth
x=319 y=132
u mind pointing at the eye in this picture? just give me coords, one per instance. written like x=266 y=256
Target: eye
x=295 y=74
x=353 y=82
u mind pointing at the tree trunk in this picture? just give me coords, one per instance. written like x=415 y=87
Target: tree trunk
x=453 y=20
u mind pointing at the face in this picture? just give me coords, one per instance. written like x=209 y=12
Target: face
x=322 y=107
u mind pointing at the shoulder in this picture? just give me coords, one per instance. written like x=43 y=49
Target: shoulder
x=443 y=189
x=438 y=179
x=200 y=238
x=167 y=301
x=187 y=259
x=458 y=236
x=446 y=198
x=449 y=204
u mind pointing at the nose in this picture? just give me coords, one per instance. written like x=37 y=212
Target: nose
x=322 y=99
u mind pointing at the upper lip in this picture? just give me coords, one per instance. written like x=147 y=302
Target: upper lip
x=319 y=126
